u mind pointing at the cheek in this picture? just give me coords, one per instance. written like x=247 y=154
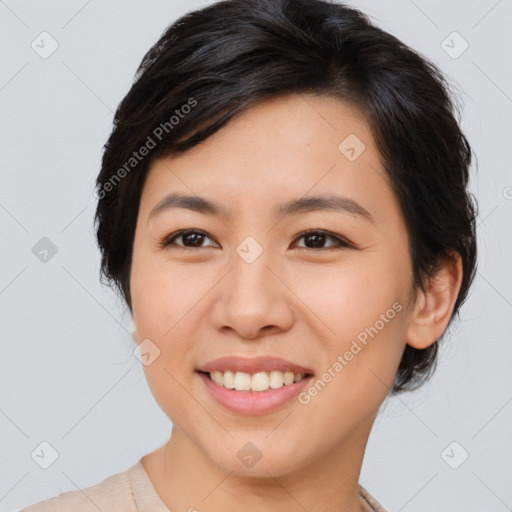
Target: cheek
x=162 y=293
x=172 y=393
x=160 y=309
x=161 y=301
x=350 y=296
x=360 y=313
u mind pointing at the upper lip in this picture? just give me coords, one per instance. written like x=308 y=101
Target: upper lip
x=253 y=365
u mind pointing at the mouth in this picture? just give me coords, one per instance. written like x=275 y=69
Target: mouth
x=256 y=382
x=253 y=386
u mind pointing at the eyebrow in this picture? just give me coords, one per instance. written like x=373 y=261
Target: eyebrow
x=327 y=202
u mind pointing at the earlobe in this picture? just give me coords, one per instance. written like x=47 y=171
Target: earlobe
x=135 y=335
x=434 y=306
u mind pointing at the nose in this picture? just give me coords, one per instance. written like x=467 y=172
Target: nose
x=252 y=300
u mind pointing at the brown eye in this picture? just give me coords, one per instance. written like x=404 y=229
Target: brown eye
x=194 y=239
x=316 y=239
x=190 y=238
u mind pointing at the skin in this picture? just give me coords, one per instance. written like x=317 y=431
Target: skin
x=295 y=301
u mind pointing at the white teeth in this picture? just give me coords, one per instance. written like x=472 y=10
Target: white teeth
x=276 y=379
x=218 y=378
x=260 y=381
x=242 y=381
x=229 y=380
x=288 y=378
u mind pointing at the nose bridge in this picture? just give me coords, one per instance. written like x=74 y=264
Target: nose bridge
x=251 y=279
x=252 y=297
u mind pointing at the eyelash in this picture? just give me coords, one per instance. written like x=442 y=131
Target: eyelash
x=168 y=241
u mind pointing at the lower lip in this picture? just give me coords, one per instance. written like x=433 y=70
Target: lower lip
x=253 y=402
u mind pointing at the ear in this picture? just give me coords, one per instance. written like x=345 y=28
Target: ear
x=135 y=334
x=433 y=308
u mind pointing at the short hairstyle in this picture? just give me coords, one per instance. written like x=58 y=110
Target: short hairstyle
x=214 y=63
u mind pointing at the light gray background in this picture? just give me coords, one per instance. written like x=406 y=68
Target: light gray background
x=68 y=375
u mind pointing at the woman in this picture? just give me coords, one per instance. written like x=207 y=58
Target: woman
x=283 y=206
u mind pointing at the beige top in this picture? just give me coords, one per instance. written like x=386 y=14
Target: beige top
x=129 y=491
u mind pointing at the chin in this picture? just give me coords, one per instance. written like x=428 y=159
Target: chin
x=258 y=459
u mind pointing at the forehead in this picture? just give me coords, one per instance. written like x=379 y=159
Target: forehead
x=283 y=148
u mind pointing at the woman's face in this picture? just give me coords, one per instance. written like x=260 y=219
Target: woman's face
x=247 y=292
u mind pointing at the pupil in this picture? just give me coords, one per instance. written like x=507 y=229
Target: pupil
x=316 y=236
x=196 y=238
x=193 y=235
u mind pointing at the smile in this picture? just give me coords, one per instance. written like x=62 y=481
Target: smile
x=255 y=385
x=260 y=381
